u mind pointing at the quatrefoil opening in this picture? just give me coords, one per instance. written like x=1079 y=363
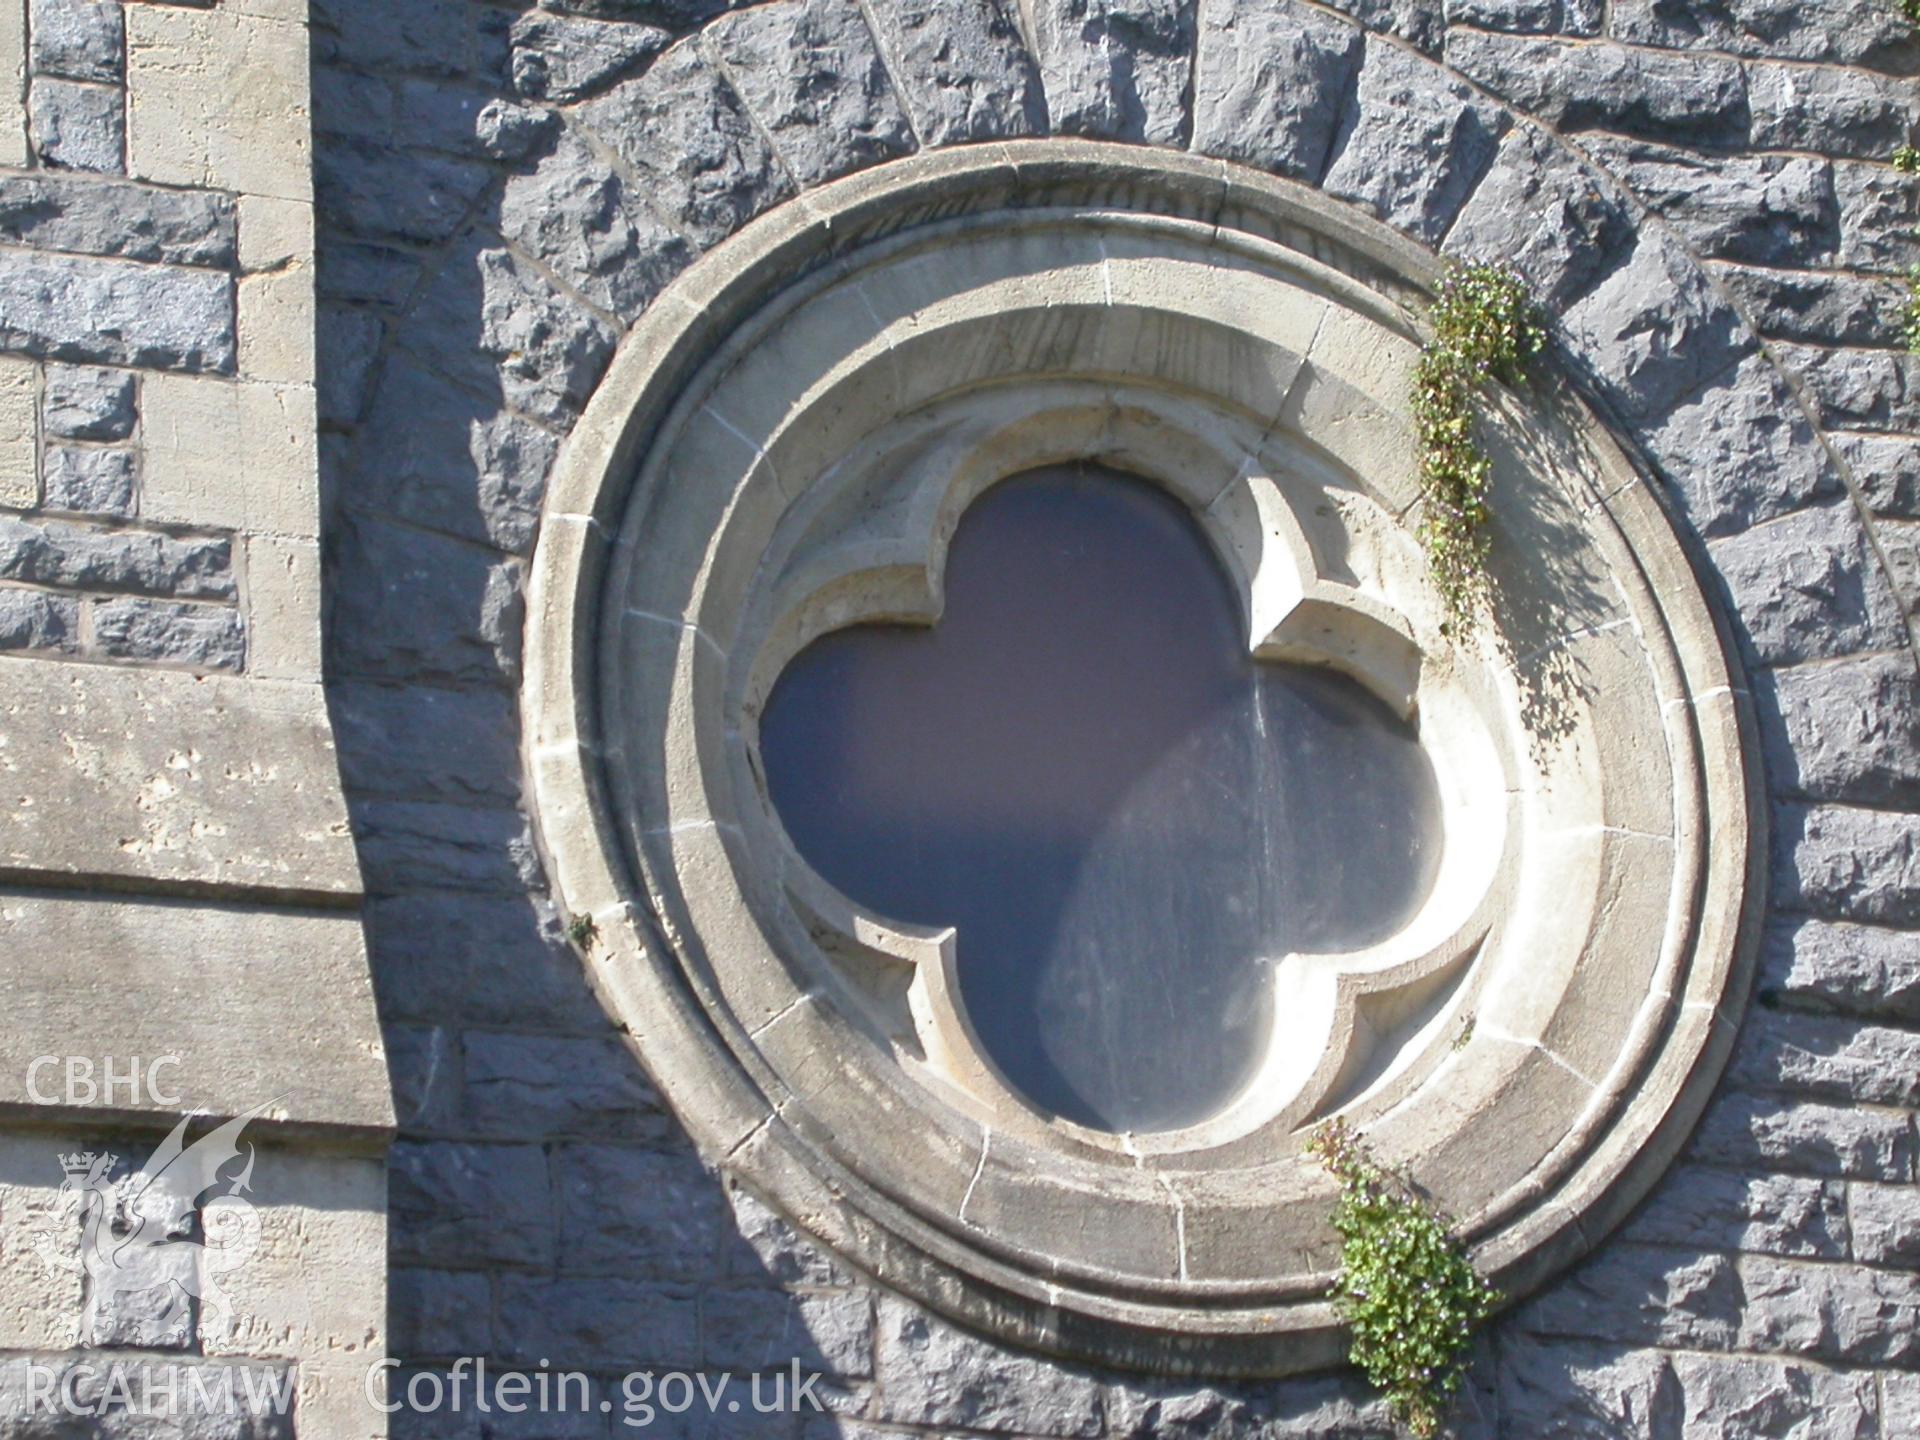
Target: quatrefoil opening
x=1309 y=910
x=1128 y=819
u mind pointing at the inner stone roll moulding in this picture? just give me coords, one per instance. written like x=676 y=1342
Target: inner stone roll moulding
x=785 y=446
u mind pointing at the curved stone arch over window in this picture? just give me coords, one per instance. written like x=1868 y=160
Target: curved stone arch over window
x=784 y=448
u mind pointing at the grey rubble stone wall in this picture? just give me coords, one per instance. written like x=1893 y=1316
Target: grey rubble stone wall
x=1700 y=188
x=103 y=282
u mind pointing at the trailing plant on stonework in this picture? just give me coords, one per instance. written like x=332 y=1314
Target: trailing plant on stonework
x=1485 y=327
x=582 y=931
x=1406 y=1288
x=1907 y=161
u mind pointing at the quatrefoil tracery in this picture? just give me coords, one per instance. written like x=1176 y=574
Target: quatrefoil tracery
x=1339 y=1021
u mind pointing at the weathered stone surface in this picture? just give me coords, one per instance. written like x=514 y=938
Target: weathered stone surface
x=1748 y=1131
x=552 y=1085
x=770 y=1248
x=639 y=1213
x=1900 y=541
x=1528 y=17
x=422 y=37
x=1816 y=307
x=1842 y=1313
x=1828 y=1058
x=933 y=1374
x=457 y=1204
x=87 y=404
x=1652 y=332
x=1846 y=969
x=1643 y=1295
x=439 y=1314
x=448 y=460
x=810 y=73
x=964 y=72
x=381 y=192
x=830 y=1333
x=1886 y=1224
x=1886 y=468
x=95 y=482
x=1724 y=1210
x=1847 y=864
x=155 y=317
x=1687 y=100
x=78 y=126
x=512 y=132
x=421 y=606
x=507 y=334
x=1850 y=730
x=605 y=1323
x=1807 y=586
x=1740 y=1395
x=1418 y=22
x=1556 y=221
x=367 y=274
x=56 y=553
x=685 y=132
x=1859 y=389
x=1876 y=216
x=468 y=959
x=673 y=14
x=347 y=344
x=1415 y=145
x=414 y=845
x=203 y=637
x=80 y=39
x=1333 y=1407
x=559 y=58
x=426 y=742
x=35 y=620
x=1828 y=111
x=308 y=1037
x=1763 y=209
x=1741 y=451
x=1577 y=1390
x=1270 y=84
x=1115 y=69
x=575 y=214
x=424 y=1061
x=1847 y=32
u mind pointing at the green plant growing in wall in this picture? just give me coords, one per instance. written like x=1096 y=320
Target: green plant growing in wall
x=1406 y=1289
x=1485 y=327
x=583 y=932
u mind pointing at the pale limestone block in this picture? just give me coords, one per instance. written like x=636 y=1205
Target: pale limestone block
x=274 y=232
x=13 y=82
x=167 y=778
x=40 y=1278
x=256 y=1006
x=276 y=326
x=235 y=455
x=283 y=608
x=315 y=1288
x=219 y=99
x=19 y=475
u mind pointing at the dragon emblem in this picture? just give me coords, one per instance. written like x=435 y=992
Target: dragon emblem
x=135 y=1227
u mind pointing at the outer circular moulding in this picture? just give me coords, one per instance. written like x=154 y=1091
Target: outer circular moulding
x=784 y=447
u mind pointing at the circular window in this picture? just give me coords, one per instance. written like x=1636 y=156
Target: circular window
x=985 y=687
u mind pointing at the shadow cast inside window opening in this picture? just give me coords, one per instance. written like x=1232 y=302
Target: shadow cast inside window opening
x=1129 y=821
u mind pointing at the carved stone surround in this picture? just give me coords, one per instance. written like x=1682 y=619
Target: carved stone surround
x=784 y=447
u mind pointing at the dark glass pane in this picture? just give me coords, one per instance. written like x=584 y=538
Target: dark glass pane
x=1126 y=818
